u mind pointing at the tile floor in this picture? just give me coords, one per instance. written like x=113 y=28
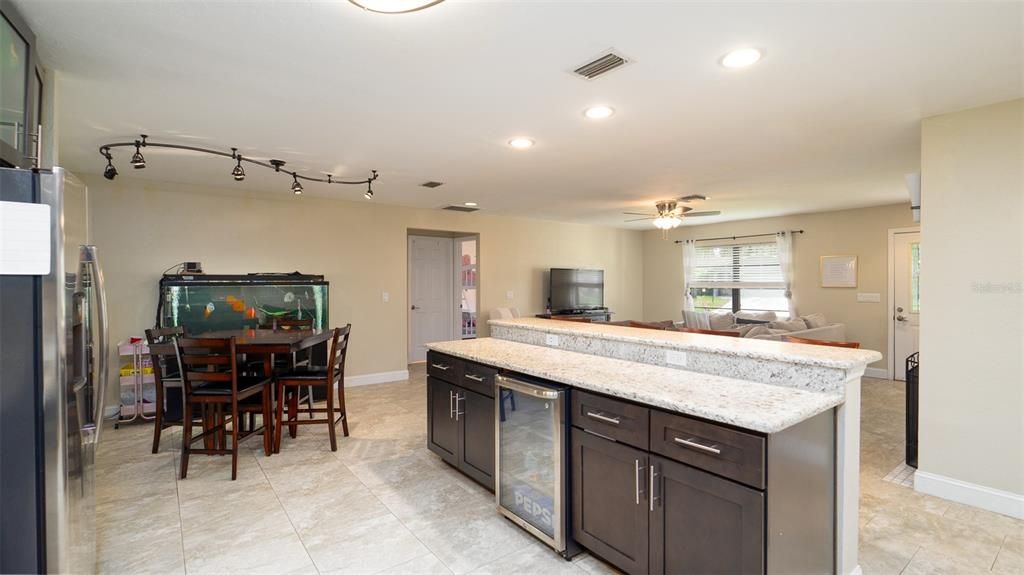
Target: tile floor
x=383 y=504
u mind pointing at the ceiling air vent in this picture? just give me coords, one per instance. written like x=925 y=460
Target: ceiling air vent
x=460 y=208
x=601 y=65
x=432 y=184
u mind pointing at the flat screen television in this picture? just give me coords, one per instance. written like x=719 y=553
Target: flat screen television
x=576 y=289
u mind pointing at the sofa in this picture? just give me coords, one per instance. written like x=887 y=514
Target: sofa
x=766 y=325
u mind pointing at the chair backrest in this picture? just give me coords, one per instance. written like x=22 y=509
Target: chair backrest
x=208 y=360
x=708 y=331
x=336 y=356
x=809 y=341
x=162 y=350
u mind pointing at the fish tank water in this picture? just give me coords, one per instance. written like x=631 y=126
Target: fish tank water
x=202 y=303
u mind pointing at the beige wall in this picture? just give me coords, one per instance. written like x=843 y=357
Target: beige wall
x=142 y=228
x=861 y=232
x=972 y=347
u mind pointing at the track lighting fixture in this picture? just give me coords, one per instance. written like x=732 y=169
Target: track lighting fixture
x=138 y=161
x=110 y=172
x=238 y=172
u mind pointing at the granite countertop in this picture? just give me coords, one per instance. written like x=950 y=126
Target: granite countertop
x=746 y=404
x=815 y=355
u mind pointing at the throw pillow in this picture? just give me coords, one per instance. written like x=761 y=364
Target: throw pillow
x=789 y=325
x=815 y=320
x=744 y=328
x=755 y=330
x=764 y=316
x=721 y=321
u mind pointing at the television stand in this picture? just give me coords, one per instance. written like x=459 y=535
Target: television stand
x=594 y=315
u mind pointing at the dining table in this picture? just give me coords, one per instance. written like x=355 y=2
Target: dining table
x=270 y=342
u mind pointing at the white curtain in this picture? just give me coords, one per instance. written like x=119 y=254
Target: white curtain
x=689 y=258
x=784 y=241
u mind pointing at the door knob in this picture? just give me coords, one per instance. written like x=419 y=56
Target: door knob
x=899 y=309
x=413 y=307
x=901 y=317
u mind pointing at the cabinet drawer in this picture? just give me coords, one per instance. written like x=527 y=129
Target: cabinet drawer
x=720 y=450
x=611 y=418
x=478 y=378
x=444 y=367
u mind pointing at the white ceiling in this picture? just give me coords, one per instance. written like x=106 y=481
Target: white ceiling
x=829 y=119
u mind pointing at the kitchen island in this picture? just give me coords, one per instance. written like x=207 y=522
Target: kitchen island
x=746 y=449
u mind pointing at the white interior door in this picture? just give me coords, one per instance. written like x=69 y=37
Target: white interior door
x=906 y=309
x=431 y=289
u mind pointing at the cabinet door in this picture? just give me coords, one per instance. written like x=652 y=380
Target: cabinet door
x=442 y=429
x=475 y=415
x=609 y=501
x=704 y=524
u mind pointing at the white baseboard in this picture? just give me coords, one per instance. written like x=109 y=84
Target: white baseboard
x=379 y=377
x=996 y=500
x=877 y=372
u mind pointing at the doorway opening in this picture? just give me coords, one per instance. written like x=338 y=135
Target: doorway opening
x=443 y=288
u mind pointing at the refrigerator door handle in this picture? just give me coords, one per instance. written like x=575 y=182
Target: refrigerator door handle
x=89 y=256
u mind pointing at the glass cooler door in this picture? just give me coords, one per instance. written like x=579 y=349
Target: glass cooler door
x=530 y=457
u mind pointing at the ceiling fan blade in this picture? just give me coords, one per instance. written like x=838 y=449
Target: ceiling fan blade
x=641 y=219
x=638 y=214
x=695 y=214
x=692 y=197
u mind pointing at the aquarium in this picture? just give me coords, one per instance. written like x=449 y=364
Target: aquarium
x=202 y=303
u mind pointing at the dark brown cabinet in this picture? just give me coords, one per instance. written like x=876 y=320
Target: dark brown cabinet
x=610 y=512
x=460 y=415
x=704 y=524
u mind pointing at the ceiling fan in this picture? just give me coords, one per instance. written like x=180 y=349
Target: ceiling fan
x=670 y=214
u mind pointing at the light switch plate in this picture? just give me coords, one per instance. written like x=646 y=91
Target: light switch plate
x=385 y=296
x=509 y=295
x=869 y=297
x=551 y=339
x=674 y=357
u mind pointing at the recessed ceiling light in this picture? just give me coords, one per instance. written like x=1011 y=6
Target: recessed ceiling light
x=470 y=204
x=599 y=112
x=394 y=6
x=741 y=58
x=521 y=143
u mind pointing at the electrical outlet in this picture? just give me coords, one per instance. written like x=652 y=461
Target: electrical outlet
x=385 y=296
x=509 y=295
x=674 y=357
x=869 y=297
x=551 y=339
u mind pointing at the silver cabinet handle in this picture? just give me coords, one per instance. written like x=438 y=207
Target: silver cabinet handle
x=653 y=473
x=604 y=418
x=636 y=481
x=694 y=445
x=458 y=398
x=451 y=404
x=441 y=366
x=475 y=377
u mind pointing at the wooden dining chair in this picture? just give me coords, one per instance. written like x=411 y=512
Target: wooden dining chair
x=170 y=407
x=332 y=377
x=809 y=341
x=708 y=331
x=212 y=383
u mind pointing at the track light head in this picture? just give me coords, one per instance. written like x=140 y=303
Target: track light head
x=238 y=173
x=110 y=172
x=296 y=186
x=138 y=161
x=369 y=190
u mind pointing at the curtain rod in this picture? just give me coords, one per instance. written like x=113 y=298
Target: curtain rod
x=738 y=237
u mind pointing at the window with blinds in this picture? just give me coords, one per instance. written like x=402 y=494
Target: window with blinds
x=738 y=266
x=739 y=277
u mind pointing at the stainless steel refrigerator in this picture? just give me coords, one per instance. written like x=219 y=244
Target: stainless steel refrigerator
x=53 y=370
